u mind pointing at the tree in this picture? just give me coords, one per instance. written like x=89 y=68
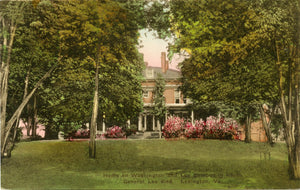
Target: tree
x=30 y=59
x=266 y=117
x=158 y=99
x=9 y=20
x=71 y=34
x=235 y=44
x=102 y=34
x=11 y=15
x=221 y=63
x=92 y=143
x=279 y=25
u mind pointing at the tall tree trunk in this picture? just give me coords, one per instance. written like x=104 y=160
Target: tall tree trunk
x=293 y=149
x=248 y=128
x=297 y=120
x=12 y=120
x=4 y=73
x=8 y=29
x=93 y=127
x=297 y=100
x=291 y=128
x=3 y=96
x=296 y=172
x=266 y=125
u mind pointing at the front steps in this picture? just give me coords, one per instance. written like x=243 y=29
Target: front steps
x=145 y=135
x=138 y=135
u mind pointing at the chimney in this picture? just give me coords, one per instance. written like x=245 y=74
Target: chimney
x=164 y=62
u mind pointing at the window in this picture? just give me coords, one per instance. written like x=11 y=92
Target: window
x=177 y=96
x=149 y=73
x=146 y=93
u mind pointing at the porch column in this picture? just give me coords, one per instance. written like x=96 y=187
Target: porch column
x=192 y=117
x=103 y=126
x=145 y=122
x=128 y=123
x=159 y=127
x=140 y=123
x=153 y=122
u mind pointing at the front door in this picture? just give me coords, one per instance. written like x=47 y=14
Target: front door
x=149 y=123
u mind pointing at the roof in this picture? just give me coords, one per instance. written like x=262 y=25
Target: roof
x=152 y=72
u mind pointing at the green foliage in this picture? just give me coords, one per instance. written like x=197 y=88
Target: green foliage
x=131 y=130
x=30 y=58
x=158 y=18
x=204 y=110
x=108 y=35
x=219 y=108
x=228 y=61
x=276 y=124
x=70 y=128
x=76 y=35
x=159 y=102
x=79 y=34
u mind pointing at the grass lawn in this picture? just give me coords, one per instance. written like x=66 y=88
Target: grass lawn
x=147 y=164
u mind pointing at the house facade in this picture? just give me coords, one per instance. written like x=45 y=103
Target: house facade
x=175 y=102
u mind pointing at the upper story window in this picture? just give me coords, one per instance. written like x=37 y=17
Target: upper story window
x=177 y=96
x=149 y=73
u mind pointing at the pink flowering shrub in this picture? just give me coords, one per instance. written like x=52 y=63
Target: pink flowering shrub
x=194 y=131
x=114 y=132
x=78 y=134
x=220 y=128
x=213 y=128
x=82 y=133
x=174 y=127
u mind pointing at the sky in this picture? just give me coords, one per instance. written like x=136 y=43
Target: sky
x=152 y=48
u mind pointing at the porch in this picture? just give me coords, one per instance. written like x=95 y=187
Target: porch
x=148 y=122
